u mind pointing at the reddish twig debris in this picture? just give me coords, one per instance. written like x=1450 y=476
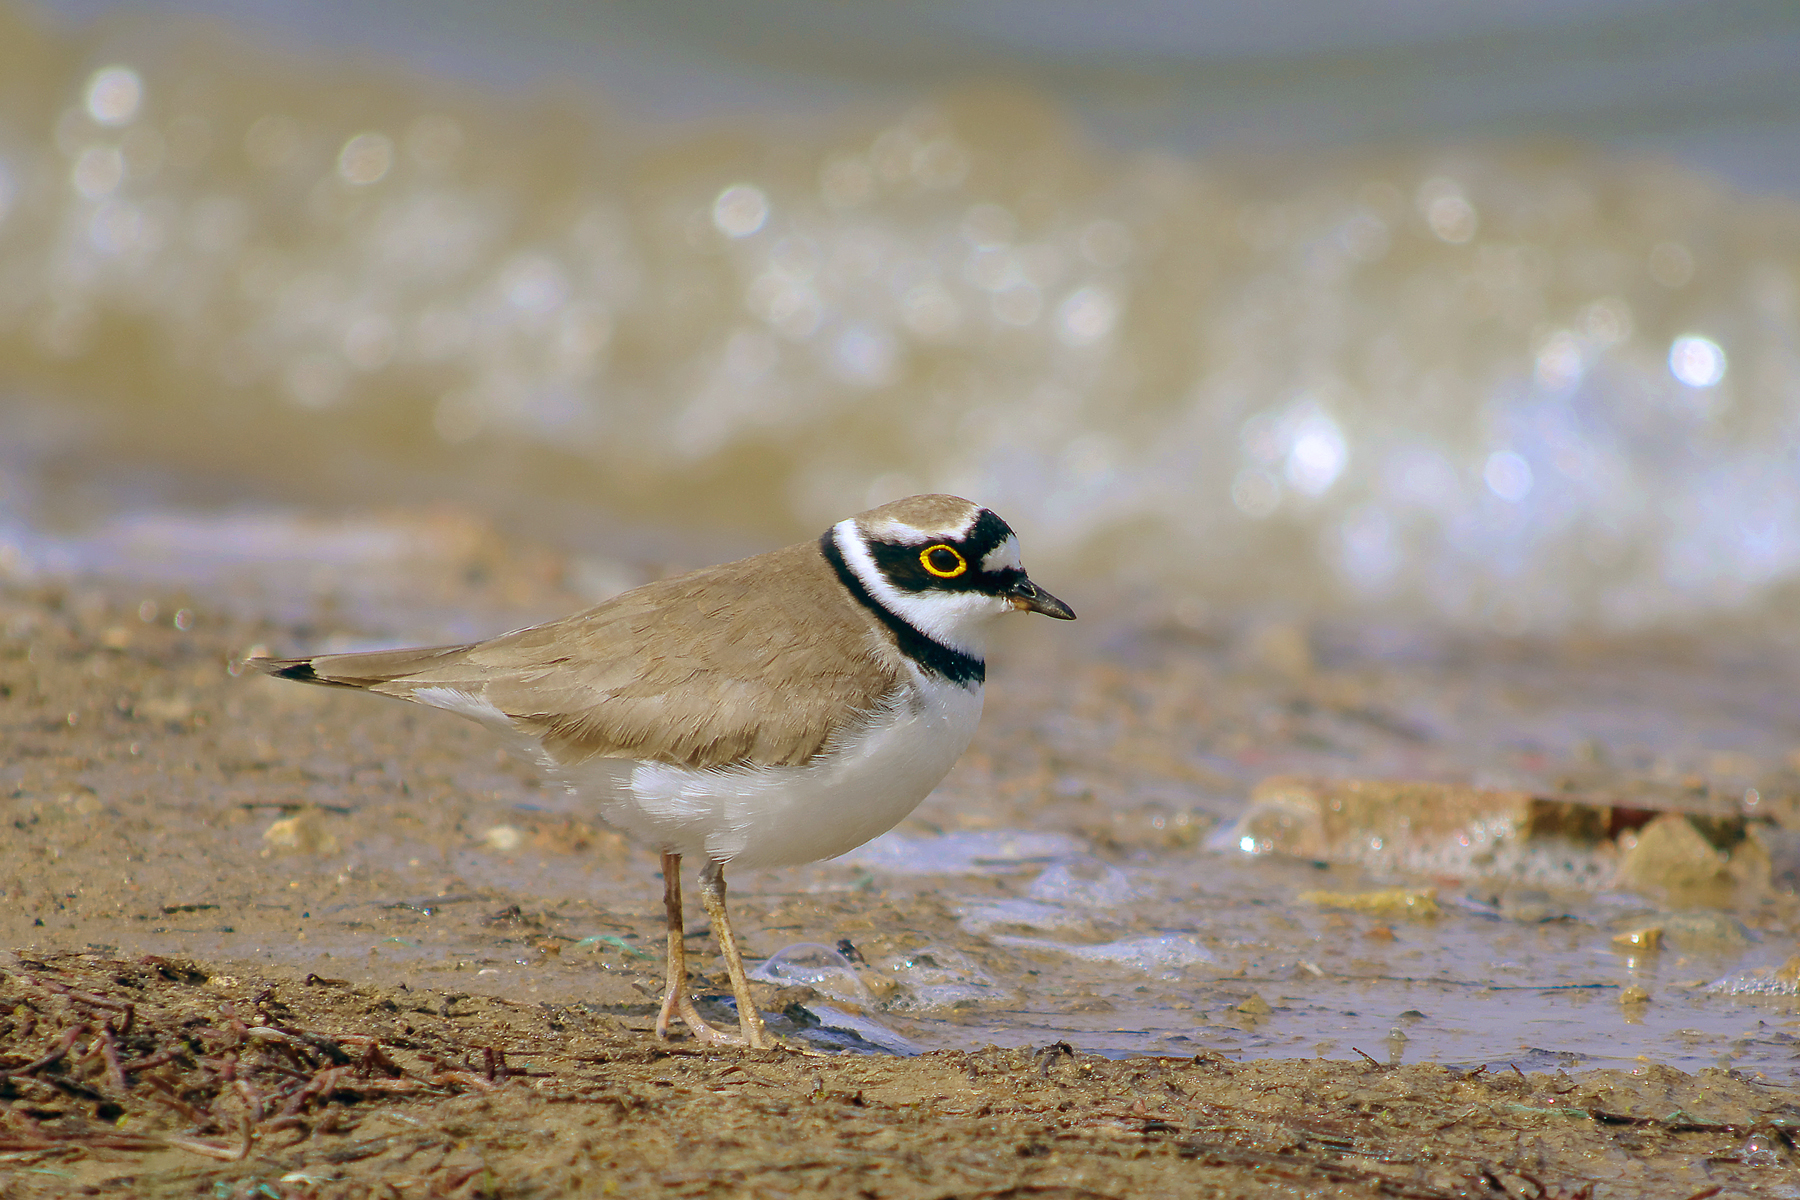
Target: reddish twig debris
x=466 y=1079
x=62 y=1047
x=88 y=998
x=109 y=1051
x=212 y=1149
x=229 y=1077
x=153 y=1060
x=164 y=1093
x=224 y=1082
x=374 y=1058
x=321 y=1085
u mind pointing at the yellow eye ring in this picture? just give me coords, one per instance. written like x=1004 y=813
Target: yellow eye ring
x=957 y=565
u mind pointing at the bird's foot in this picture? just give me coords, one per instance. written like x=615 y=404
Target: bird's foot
x=677 y=1003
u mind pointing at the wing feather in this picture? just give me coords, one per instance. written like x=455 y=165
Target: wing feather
x=758 y=661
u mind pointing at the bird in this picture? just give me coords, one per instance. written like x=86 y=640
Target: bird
x=777 y=710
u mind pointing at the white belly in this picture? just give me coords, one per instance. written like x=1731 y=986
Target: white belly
x=780 y=816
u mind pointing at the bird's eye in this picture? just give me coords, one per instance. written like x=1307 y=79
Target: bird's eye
x=943 y=561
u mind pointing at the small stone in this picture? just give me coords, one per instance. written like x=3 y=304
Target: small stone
x=304 y=832
x=1634 y=995
x=1372 y=820
x=1530 y=906
x=503 y=839
x=1671 y=853
x=1648 y=939
x=1705 y=930
x=1417 y=903
x=83 y=802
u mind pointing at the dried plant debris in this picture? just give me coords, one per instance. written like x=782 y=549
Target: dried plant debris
x=100 y=1057
x=160 y=1077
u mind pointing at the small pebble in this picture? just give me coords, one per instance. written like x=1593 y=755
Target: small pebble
x=503 y=838
x=1648 y=938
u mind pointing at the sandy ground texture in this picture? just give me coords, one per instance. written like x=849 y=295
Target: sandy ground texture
x=152 y=1076
x=271 y=940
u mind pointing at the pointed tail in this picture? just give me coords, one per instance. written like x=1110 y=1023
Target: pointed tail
x=390 y=672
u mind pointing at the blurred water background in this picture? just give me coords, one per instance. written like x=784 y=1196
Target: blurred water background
x=1485 y=314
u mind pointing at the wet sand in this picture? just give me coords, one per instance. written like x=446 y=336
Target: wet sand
x=157 y=1076
x=195 y=854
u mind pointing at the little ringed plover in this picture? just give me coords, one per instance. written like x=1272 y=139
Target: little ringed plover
x=777 y=710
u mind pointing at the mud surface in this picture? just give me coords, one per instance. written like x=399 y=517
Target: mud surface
x=456 y=973
x=153 y=1076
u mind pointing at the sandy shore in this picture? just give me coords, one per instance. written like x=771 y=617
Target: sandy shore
x=177 y=1017
x=158 y=1076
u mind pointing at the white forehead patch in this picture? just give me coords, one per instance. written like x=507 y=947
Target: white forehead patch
x=890 y=530
x=1005 y=555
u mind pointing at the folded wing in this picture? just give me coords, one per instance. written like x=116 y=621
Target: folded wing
x=751 y=662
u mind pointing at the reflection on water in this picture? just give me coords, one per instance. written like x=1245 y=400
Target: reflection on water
x=1516 y=388
x=1233 y=966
